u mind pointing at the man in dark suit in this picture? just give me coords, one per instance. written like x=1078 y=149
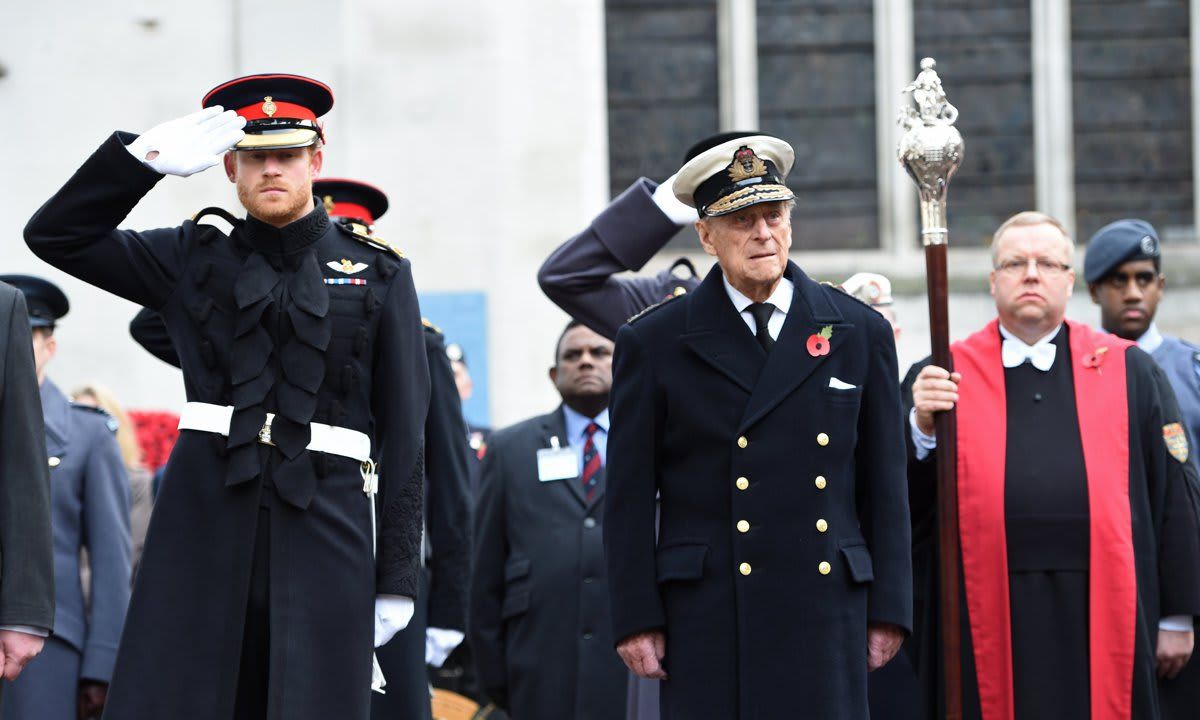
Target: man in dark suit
x=582 y=275
x=539 y=621
x=764 y=409
x=90 y=508
x=27 y=570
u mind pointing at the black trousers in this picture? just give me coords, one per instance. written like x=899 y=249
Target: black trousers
x=254 y=671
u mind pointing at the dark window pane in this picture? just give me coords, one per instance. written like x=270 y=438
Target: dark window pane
x=1133 y=114
x=982 y=50
x=816 y=89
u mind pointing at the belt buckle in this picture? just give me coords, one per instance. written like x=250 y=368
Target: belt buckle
x=264 y=433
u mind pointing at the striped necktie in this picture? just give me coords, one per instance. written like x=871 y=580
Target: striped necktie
x=591 y=462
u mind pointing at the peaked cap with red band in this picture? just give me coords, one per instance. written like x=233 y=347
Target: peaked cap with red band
x=351 y=199
x=281 y=110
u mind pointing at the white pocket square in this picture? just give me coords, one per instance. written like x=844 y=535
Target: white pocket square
x=839 y=385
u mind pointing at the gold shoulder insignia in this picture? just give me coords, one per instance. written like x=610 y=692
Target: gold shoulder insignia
x=1176 y=439
x=359 y=233
x=431 y=326
x=653 y=307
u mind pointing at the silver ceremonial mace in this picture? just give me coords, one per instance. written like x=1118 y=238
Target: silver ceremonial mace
x=931 y=151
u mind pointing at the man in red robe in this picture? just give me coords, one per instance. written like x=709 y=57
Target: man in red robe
x=1078 y=541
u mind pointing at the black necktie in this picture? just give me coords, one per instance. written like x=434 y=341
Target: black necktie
x=762 y=313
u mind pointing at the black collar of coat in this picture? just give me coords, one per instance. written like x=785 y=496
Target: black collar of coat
x=719 y=336
x=290 y=239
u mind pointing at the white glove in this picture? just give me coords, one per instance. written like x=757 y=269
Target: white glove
x=439 y=643
x=392 y=614
x=189 y=144
x=676 y=212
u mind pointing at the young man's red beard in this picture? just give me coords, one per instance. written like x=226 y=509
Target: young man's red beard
x=275 y=208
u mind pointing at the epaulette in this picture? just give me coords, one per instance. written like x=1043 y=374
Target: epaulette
x=109 y=421
x=430 y=326
x=219 y=212
x=359 y=233
x=653 y=307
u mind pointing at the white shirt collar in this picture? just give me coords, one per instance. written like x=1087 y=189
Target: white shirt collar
x=1008 y=335
x=781 y=298
x=1151 y=339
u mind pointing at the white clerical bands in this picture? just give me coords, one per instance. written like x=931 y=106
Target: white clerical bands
x=331 y=439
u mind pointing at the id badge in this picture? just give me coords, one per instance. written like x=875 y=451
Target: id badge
x=556 y=463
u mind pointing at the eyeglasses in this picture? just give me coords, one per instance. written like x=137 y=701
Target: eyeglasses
x=1045 y=267
x=1119 y=280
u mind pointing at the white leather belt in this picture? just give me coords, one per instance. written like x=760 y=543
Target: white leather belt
x=331 y=439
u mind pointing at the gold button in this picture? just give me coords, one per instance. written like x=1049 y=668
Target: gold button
x=744 y=568
x=742 y=483
x=743 y=442
x=54 y=462
x=822 y=526
x=824 y=568
x=820 y=482
x=743 y=526
x=679 y=291
x=822 y=439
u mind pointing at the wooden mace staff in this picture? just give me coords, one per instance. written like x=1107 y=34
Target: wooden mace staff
x=931 y=150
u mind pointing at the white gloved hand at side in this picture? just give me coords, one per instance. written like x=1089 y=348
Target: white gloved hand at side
x=392 y=614
x=189 y=144
x=676 y=212
x=439 y=643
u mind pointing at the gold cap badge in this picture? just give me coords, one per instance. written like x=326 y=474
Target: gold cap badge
x=268 y=106
x=327 y=201
x=746 y=165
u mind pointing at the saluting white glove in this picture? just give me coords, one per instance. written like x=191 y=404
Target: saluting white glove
x=189 y=144
x=676 y=212
x=392 y=614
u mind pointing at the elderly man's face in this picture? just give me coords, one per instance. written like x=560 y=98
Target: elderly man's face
x=1032 y=280
x=751 y=245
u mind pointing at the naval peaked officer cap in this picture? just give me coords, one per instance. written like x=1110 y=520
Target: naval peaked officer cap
x=726 y=173
x=46 y=303
x=1120 y=242
x=281 y=110
x=351 y=199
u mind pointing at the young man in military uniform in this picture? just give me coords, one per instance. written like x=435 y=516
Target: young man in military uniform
x=769 y=401
x=1123 y=270
x=89 y=496
x=303 y=360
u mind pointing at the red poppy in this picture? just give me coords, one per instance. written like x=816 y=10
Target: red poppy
x=818 y=343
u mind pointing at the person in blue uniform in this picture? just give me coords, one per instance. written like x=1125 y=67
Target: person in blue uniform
x=277 y=558
x=89 y=509
x=763 y=409
x=1123 y=270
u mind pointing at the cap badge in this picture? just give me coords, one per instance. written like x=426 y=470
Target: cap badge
x=345 y=266
x=746 y=165
x=268 y=107
x=327 y=201
x=1148 y=245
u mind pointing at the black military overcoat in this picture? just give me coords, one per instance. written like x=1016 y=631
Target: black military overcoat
x=784 y=515
x=265 y=320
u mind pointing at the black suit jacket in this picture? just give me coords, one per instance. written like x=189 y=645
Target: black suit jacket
x=27 y=577
x=784 y=516
x=539 y=621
